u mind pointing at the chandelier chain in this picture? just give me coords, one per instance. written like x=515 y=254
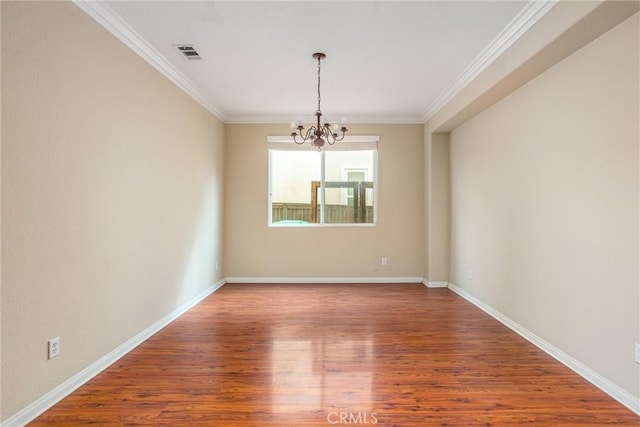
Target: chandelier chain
x=319 y=84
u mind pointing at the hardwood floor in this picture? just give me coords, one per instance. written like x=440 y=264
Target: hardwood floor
x=321 y=355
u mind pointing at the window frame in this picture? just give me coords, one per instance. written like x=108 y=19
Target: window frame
x=349 y=143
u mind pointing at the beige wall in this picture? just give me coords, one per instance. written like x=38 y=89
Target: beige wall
x=436 y=266
x=111 y=196
x=564 y=29
x=544 y=205
x=252 y=249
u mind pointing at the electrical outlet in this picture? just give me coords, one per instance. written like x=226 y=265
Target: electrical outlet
x=54 y=347
x=637 y=353
x=470 y=274
x=217 y=267
x=383 y=261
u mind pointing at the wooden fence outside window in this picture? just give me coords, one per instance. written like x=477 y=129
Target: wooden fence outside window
x=334 y=214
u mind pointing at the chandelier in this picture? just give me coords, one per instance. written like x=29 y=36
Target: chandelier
x=318 y=134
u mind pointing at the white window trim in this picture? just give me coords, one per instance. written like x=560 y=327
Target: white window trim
x=349 y=143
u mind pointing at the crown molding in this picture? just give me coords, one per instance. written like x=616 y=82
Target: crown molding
x=288 y=118
x=528 y=16
x=110 y=20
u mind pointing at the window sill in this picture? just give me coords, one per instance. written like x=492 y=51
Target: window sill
x=315 y=225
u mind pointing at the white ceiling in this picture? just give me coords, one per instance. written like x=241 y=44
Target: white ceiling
x=387 y=61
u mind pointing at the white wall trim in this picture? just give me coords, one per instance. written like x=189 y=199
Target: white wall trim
x=36 y=408
x=282 y=119
x=527 y=17
x=368 y=141
x=271 y=280
x=429 y=284
x=110 y=20
x=612 y=389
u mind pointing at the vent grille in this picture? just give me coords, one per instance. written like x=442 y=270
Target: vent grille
x=188 y=51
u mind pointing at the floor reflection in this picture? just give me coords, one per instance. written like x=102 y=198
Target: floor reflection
x=321 y=375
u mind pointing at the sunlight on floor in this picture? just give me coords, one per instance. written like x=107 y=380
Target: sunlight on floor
x=319 y=375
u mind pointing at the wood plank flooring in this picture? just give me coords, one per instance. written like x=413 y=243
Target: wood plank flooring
x=321 y=355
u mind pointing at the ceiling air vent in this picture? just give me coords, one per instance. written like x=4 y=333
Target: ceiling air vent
x=188 y=51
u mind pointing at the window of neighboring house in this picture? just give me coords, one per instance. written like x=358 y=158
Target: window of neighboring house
x=352 y=174
x=335 y=186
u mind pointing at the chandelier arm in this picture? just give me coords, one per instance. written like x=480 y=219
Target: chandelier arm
x=310 y=132
x=302 y=141
x=344 y=131
x=328 y=137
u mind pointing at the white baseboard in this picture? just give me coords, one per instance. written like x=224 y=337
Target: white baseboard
x=429 y=284
x=385 y=280
x=38 y=407
x=612 y=389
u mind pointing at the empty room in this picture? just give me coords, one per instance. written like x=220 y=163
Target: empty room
x=316 y=213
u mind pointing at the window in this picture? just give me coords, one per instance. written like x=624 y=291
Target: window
x=335 y=186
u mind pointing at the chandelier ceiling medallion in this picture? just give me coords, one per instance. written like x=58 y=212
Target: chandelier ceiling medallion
x=318 y=134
